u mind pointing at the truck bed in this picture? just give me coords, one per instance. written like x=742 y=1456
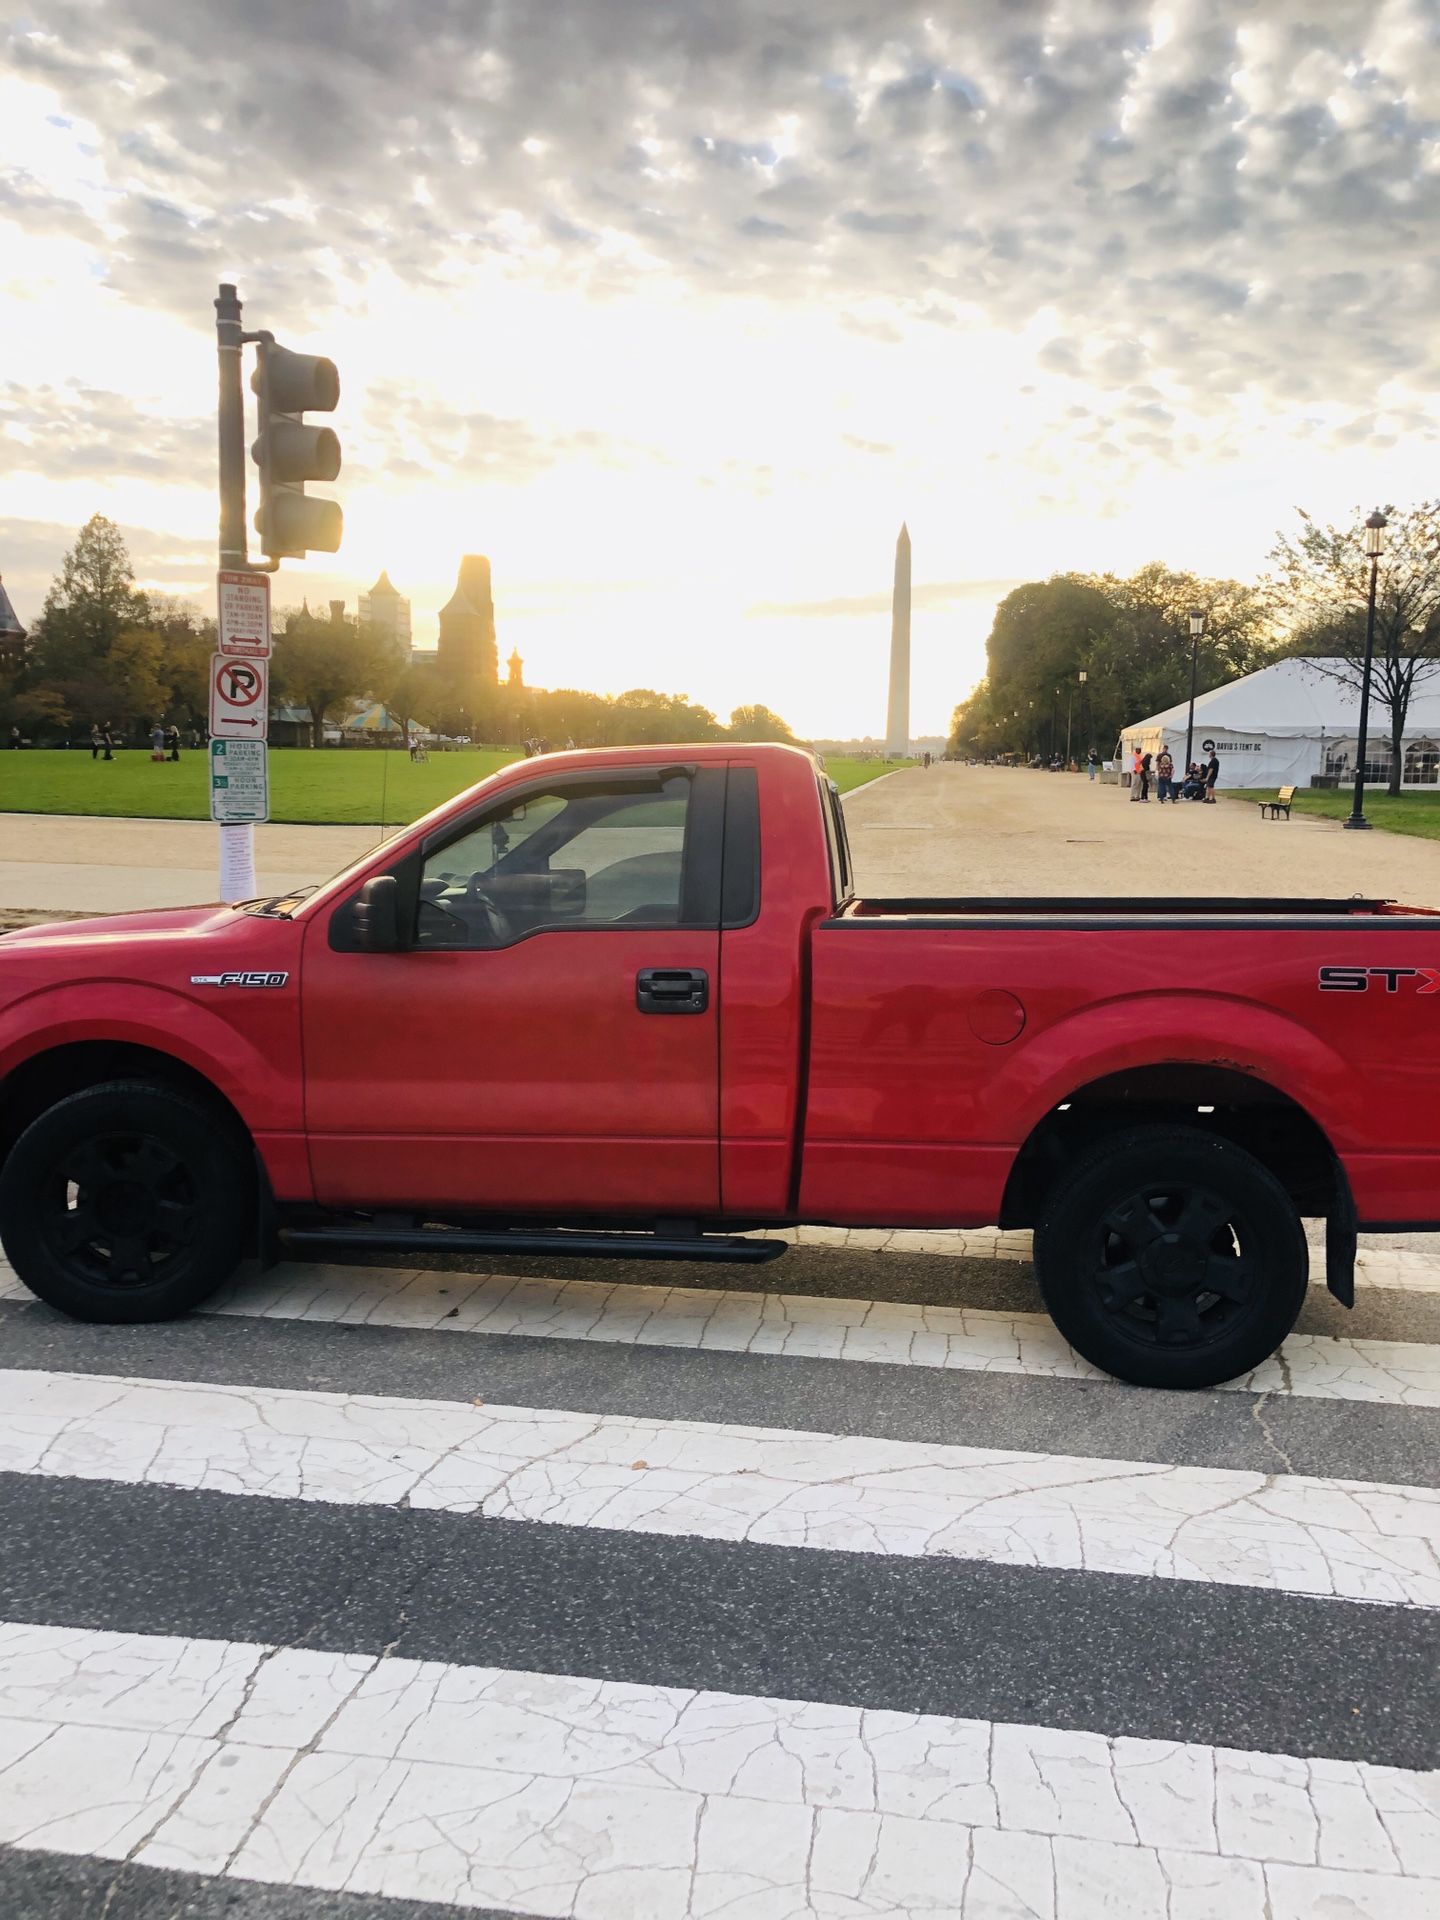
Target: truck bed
x=1105 y=910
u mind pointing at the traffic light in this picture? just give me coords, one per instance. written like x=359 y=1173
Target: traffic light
x=289 y=453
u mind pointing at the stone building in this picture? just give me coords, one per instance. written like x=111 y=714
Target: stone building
x=387 y=611
x=12 y=634
x=468 y=652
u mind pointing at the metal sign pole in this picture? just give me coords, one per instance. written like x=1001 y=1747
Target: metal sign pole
x=237 y=843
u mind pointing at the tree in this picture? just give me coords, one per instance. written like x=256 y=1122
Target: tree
x=323 y=665
x=80 y=655
x=759 y=723
x=1321 y=590
x=1131 y=639
x=644 y=718
x=415 y=693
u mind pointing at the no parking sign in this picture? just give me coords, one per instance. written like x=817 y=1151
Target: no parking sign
x=239 y=698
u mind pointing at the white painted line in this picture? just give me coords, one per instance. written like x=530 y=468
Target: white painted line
x=1287 y=1533
x=549 y=1794
x=726 y=1320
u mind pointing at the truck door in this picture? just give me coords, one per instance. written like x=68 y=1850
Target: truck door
x=548 y=1040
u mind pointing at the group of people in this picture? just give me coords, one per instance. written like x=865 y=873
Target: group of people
x=1198 y=784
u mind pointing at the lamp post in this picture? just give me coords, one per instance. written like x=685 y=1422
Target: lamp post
x=1374 y=545
x=1197 y=627
x=1054 y=720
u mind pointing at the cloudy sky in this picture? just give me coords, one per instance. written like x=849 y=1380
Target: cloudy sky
x=676 y=310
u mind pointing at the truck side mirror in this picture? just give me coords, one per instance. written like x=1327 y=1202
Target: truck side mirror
x=375 y=916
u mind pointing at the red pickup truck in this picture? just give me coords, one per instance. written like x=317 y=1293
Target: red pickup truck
x=629 y=1002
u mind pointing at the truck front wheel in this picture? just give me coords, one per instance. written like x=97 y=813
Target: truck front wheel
x=126 y=1202
x=1171 y=1258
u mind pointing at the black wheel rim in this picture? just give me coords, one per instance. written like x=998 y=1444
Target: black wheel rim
x=120 y=1210
x=1176 y=1268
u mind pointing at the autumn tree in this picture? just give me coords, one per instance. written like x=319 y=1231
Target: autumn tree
x=324 y=664
x=759 y=723
x=1320 y=591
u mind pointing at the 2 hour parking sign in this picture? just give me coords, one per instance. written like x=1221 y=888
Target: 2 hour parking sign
x=239 y=782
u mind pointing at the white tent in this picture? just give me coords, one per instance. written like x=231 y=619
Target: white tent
x=1282 y=726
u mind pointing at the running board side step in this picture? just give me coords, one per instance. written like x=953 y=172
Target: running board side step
x=573 y=1246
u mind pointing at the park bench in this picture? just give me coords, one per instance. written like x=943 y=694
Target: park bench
x=1280 y=804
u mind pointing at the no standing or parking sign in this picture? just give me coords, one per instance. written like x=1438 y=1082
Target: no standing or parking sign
x=244 y=603
x=239 y=698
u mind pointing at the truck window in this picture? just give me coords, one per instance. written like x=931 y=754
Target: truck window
x=588 y=857
x=842 y=882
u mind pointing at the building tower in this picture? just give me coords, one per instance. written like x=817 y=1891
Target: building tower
x=467 y=651
x=897 y=717
x=515 y=672
x=12 y=634
x=387 y=613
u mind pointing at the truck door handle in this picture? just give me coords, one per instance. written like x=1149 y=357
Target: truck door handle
x=672 y=990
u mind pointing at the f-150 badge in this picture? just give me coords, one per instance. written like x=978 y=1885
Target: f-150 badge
x=238 y=979
x=1360 y=979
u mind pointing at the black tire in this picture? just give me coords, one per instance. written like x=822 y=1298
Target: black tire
x=1171 y=1258
x=126 y=1202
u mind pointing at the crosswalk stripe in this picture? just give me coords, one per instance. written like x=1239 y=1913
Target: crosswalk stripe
x=887 y=1333
x=555 y=1794
x=1289 y=1533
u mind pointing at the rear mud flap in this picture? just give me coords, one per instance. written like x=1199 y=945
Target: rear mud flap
x=1340 y=1240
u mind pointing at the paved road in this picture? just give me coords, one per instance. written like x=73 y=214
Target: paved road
x=387 y=1595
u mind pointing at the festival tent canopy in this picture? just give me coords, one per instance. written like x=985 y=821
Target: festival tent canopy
x=1275 y=728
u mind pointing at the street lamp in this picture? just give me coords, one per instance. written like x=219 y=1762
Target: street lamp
x=1070 y=712
x=1197 y=627
x=1374 y=545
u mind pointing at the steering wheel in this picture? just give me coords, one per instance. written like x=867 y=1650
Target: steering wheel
x=493 y=925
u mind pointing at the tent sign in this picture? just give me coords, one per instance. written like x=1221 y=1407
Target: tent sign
x=239 y=698
x=244 y=603
x=239 y=782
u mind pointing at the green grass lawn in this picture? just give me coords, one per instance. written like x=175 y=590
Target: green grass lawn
x=1417 y=813
x=854 y=773
x=330 y=786
x=334 y=785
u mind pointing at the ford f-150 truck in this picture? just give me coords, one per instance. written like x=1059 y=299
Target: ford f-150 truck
x=629 y=1002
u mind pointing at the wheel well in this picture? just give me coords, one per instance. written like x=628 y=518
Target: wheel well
x=1241 y=1109
x=50 y=1076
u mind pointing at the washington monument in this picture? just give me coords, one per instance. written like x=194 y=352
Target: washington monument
x=897 y=718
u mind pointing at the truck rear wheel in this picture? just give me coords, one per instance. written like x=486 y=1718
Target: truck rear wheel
x=126 y=1202
x=1171 y=1258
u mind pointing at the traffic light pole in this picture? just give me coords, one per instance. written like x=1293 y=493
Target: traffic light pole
x=237 y=844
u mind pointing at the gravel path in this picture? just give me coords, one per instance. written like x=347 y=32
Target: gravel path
x=995 y=830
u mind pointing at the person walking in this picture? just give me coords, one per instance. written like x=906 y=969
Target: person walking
x=1135 y=771
x=95 y=743
x=107 y=740
x=1092 y=764
x=1212 y=774
x=15 y=740
x=1165 y=777
x=172 y=742
x=1145 y=763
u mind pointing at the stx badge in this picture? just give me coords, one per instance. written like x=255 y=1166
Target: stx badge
x=1358 y=979
x=238 y=979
